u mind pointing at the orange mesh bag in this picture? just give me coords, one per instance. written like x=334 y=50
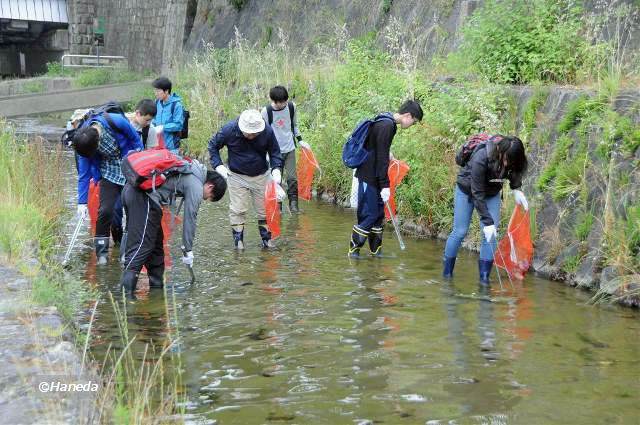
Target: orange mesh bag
x=93 y=204
x=168 y=223
x=515 y=250
x=397 y=171
x=272 y=209
x=305 y=169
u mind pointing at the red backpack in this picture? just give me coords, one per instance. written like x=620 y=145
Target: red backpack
x=464 y=155
x=149 y=169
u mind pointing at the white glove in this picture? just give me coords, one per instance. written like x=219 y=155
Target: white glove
x=385 y=194
x=521 y=199
x=304 y=144
x=159 y=128
x=187 y=258
x=222 y=170
x=83 y=210
x=391 y=157
x=277 y=176
x=280 y=193
x=490 y=232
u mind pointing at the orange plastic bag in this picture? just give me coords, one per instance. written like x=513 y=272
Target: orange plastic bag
x=397 y=171
x=515 y=250
x=93 y=204
x=272 y=209
x=305 y=168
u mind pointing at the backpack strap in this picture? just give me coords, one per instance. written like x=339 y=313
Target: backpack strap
x=269 y=114
x=112 y=124
x=292 y=113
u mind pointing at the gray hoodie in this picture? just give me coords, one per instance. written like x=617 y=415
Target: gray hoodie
x=188 y=184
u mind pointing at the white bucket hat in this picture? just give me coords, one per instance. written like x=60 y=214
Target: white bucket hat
x=251 y=121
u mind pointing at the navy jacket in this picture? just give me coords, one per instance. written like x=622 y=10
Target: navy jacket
x=247 y=157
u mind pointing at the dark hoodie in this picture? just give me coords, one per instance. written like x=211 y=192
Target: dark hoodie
x=479 y=180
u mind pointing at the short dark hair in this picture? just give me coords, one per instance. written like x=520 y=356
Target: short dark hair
x=147 y=107
x=162 y=83
x=279 y=94
x=85 y=141
x=412 y=107
x=219 y=184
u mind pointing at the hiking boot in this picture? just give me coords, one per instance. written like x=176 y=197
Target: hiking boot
x=375 y=241
x=238 y=235
x=129 y=282
x=484 y=269
x=102 y=249
x=265 y=234
x=358 y=239
x=447 y=267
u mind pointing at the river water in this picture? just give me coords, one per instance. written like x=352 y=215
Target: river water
x=304 y=335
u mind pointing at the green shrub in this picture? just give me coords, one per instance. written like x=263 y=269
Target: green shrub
x=560 y=153
x=524 y=41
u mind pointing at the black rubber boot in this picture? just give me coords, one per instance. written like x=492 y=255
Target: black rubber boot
x=102 y=249
x=129 y=282
x=358 y=239
x=156 y=276
x=375 y=241
x=293 y=205
x=447 y=267
x=265 y=234
x=117 y=234
x=484 y=269
x=238 y=235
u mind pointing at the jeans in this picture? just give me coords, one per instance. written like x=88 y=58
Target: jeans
x=462 y=210
x=289 y=160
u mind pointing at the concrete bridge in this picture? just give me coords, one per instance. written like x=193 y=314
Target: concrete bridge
x=66 y=100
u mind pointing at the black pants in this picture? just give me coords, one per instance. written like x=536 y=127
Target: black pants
x=105 y=226
x=145 y=237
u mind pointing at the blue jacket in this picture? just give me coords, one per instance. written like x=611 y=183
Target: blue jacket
x=170 y=114
x=247 y=157
x=128 y=140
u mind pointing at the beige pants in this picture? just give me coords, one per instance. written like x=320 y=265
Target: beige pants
x=242 y=190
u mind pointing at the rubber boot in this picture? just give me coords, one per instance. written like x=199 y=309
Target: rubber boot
x=123 y=247
x=102 y=249
x=156 y=276
x=293 y=205
x=117 y=234
x=375 y=241
x=129 y=282
x=484 y=268
x=238 y=235
x=265 y=234
x=358 y=239
x=447 y=268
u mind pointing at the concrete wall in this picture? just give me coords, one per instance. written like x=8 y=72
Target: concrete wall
x=148 y=33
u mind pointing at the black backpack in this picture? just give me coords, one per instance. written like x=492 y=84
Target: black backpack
x=292 y=113
x=111 y=107
x=184 y=133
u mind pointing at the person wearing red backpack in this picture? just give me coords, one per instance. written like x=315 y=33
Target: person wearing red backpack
x=143 y=207
x=483 y=169
x=101 y=143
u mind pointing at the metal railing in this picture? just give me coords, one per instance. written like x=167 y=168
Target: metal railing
x=93 y=61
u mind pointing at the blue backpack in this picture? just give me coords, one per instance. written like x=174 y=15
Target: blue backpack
x=354 y=154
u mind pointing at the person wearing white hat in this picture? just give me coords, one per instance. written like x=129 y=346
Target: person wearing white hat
x=248 y=140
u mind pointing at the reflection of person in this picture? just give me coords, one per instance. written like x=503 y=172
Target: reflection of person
x=479 y=387
x=478 y=187
x=248 y=140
